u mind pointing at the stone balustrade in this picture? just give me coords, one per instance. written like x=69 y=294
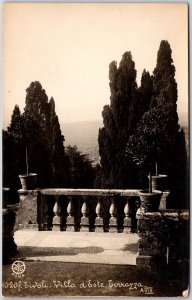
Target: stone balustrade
x=99 y=210
x=164 y=235
x=78 y=210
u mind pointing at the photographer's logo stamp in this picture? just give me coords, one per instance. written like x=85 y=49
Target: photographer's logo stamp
x=18 y=268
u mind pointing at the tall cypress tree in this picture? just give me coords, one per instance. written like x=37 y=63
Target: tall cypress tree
x=119 y=120
x=165 y=98
x=37 y=109
x=39 y=125
x=164 y=83
x=15 y=118
x=59 y=160
x=13 y=154
x=144 y=95
x=19 y=130
x=36 y=104
x=158 y=136
x=54 y=163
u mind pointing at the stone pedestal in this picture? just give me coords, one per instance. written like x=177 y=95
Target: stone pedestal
x=56 y=223
x=70 y=223
x=127 y=225
x=84 y=224
x=99 y=224
x=29 y=214
x=113 y=224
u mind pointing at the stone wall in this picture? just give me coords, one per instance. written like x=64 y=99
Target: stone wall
x=164 y=239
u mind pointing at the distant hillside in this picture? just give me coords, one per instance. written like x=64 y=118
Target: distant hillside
x=84 y=135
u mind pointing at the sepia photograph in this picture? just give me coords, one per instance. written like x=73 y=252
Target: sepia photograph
x=95 y=146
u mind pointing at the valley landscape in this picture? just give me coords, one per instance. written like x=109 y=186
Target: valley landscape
x=85 y=136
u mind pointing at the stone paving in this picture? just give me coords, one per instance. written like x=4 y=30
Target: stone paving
x=80 y=247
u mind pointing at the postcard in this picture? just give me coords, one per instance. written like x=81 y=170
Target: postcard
x=95 y=150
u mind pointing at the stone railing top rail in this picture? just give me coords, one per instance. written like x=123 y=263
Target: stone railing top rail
x=85 y=192
x=89 y=192
x=167 y=214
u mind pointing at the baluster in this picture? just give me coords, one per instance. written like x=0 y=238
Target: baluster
x=163 y=202
x=56 y=218
x=113 y=219
x=99 y=219
x=127 y=220
x=70 y=219
x=84 y=219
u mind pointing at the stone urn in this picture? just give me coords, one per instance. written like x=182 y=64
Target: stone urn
x=150 y=201
x=28 y=182
x=159 y=182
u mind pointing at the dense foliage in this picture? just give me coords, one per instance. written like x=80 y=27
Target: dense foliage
x=164 y=84
x=119 y=121
x=81 y=171
x=141 y=128
x=127 y=105
x=153 y=141
x=36 y=132
x=158 y=137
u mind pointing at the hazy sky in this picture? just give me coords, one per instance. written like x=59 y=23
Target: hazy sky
x=68 y=48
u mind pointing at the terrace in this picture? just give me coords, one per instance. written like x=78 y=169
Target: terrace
x=96 y=227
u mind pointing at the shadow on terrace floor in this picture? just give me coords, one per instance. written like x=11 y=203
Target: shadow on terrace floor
x=24 y=251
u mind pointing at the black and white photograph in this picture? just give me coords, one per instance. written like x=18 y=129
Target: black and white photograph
x=95 y=150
